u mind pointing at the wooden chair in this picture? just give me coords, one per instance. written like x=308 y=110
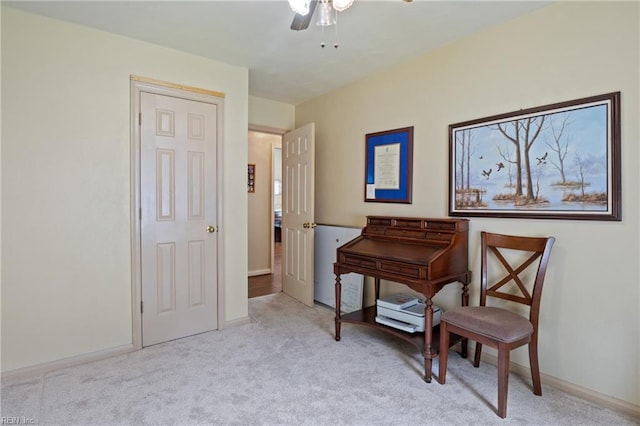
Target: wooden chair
x=498 y=327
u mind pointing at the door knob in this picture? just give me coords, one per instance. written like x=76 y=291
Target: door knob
x=306 y=225
x=211 y=229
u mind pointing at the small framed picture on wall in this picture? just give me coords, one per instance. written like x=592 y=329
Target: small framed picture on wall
x=251 y=178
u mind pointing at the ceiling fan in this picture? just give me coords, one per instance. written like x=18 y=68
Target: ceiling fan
x=300 y=21
x=304 y=10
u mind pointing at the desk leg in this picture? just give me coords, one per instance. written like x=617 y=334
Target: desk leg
x=338 y=302
x=377 y=288
x=428 y=339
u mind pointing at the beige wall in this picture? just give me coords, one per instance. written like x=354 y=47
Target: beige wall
x=268 y=115
x=66 y=258
x=589 y=331
x=261 y=201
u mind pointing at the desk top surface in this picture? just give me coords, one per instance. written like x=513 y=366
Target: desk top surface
x=394 y=250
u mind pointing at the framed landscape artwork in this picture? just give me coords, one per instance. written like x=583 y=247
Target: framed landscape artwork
x=559 y=161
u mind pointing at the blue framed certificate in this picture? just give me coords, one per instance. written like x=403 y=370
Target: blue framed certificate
x=388 y=168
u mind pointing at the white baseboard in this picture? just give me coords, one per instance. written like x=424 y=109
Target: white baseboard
x=25 y=373
x=259 y=272
x=236 y=322
x=568 y=387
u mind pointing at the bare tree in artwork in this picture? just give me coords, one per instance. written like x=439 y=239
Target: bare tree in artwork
x=524 y=134
x=470 y=152
x=465 y=195
x=460 y=138
x=584 y=166
x=559 y=147
x=463 y=139
x=506 y=156
x=581 y=171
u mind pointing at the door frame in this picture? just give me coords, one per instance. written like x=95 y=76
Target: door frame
x=137 y=86
x=274 y=147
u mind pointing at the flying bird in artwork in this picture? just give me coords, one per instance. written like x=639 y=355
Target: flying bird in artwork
x=486 y=173
x=543 y=159
x=481 y=157
x=500 y=166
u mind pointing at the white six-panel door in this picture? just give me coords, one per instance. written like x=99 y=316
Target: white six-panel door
x=298 y=214
x=178 y=217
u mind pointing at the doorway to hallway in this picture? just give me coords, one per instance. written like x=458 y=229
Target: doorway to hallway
x=262 y=285
x=265 y=214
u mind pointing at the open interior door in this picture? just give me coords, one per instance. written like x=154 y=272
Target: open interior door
x=298 y=152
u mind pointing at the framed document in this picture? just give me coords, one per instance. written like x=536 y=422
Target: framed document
x=388 y=166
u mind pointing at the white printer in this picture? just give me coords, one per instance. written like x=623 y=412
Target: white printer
x=404 y=312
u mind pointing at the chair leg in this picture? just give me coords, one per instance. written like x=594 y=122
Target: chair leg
x=533 y=363
x=476 y=359
x=503 y=379
x=444 y=352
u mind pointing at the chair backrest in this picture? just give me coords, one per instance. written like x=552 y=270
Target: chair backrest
x=538 y=249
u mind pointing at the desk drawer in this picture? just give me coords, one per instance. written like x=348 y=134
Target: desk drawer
x=439 y=236
x=406 y=233
x=406 y=270
x=375 y=230
x=359 y=261
x=451 y=226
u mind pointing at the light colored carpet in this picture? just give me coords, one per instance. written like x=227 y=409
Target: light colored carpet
x=285 y=368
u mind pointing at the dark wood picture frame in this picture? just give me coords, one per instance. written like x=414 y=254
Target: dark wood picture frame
x=558 y=161
x=389 y=166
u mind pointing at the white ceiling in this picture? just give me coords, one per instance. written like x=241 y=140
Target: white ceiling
x=287 y=65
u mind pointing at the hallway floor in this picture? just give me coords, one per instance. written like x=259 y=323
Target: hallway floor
x=262 y=285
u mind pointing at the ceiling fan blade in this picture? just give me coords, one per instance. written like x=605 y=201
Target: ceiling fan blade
x=301 y=22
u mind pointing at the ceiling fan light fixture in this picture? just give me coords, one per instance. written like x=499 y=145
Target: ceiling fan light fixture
x=300 y=6
x=327 y=15
x=342 y=5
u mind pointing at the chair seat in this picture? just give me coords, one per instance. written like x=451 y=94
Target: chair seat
x=496 y=323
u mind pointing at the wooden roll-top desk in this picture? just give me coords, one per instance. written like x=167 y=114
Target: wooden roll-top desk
x=422 y=253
